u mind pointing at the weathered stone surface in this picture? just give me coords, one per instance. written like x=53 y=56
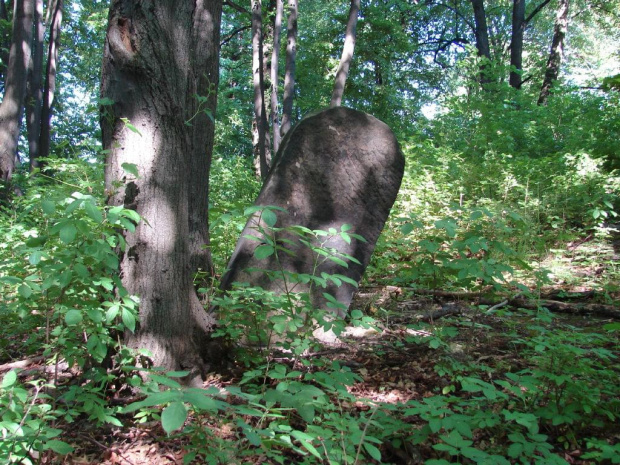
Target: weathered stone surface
x=336 y=167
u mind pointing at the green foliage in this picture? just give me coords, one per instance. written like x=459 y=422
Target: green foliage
x=59 y=279
x=26 y=418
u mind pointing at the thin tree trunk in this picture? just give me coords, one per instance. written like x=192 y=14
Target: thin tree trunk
x=34 y=97
x=259 y=87
x=275 y=58
x=347 y=55
x=482 y=39
x=4 y=46
x=159 y=55
x=50 y=79
x=12 y=106
x=554 y=62
x=289 y=73
x=516 y=44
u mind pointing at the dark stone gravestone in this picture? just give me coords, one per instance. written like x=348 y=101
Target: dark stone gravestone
x=335 y=167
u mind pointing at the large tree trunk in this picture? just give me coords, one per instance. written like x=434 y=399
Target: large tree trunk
x=347 y=55
x=159 y=56
x=516 y=44
x=554 y=62
x=12 y=106
x=275 y=58
x=50 y=78
x=482 y=39
x=34 y=97
x=289 y=72
x=260 y=114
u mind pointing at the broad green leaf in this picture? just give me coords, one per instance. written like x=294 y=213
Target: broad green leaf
x=81 y=270
x=128 y=319
x=200 y=400
x=65 y=278
x=35 y=257
x=67 y=233
x=131 y=168
x=93 y=212
x=373 y=451
x=73 y=317
x=24 y=290
x=173 y=417
x=112 y=313
x=152 y=400
x=263 y=251
x=9 y=379
x=60 y=447
x=270 y=218
x=406 y=228
x=48 y=207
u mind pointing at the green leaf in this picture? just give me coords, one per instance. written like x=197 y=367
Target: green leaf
x=67 y=233
x=9 y=379
x=131 y=168
x=406 y=228
x=73 y=317
x=93 y=212
x=373 y=451
x=128 y=319
x=263 y=251
x=60 y=447
x=200 y=400
x=81 y=270
x=24 y=290
x=112 y=313
x=269 y=217
x=65 y=278
x=130 y=126
x=48 y=207
x=157 y=398
x=173 y=417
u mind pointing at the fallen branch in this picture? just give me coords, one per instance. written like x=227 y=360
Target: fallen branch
x=20 y=364
x=600 y=310
x=446 y=310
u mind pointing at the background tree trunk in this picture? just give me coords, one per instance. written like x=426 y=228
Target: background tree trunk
x=12 y=106
x=275 y=58
x=482 y=39
x=260 y=114
x=557 y=51
x=347 y=55
x=289 y=72
x=4 y=45
x=158 y=56
x=50 y=78
x=34 y=97
x=516 y=43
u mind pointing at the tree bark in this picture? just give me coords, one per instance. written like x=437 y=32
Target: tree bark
x=160 y=70
x=275 y=58
x=482 y=39
x=5 y=45
x=12 y=106
x=34 y=97
x=554 y=62
x=289 y=73
x=50 y=78
x=260 y=114
x=516 y=43
x=347 y=55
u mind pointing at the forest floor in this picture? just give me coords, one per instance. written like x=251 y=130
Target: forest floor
x=394 y=363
